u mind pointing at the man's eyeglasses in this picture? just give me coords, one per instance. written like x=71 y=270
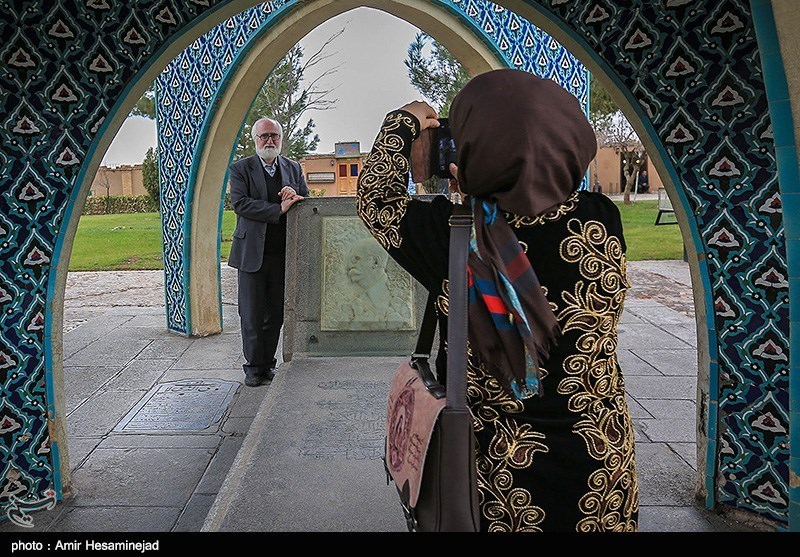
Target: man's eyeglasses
x=272 y=136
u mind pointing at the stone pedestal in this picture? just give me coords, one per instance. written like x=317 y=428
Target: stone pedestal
x=344 y=295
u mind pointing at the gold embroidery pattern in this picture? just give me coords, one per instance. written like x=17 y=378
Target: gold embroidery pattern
x=382 y=195
x=518 y=221
x=513 y=445
x=507 y=508
x=595 y=387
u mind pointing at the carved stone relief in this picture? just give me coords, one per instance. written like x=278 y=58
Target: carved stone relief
x=363 y=289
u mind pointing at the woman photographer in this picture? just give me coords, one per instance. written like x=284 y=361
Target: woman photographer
x=547 y=286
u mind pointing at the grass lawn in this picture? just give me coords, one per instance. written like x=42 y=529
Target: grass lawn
x=127 y=242
x=133 y=241
x=646 y=241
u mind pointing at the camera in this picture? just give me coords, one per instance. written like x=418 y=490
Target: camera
x=432 y=152
x=445 y=152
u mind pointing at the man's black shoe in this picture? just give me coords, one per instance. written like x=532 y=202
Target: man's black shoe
x=270 y=374
x=256 y=379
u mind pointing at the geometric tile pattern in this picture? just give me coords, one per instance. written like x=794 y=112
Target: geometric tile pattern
x=691 y=68
x=186 y=89
x=696 y=76
x=184 y=94
x=63 y=67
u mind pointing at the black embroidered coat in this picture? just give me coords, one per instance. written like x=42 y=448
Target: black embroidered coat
x=564 y=461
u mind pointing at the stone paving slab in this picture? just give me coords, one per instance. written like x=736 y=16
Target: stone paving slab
x=674 y=388
x=81 y=382
x=673 y=362
x=315 y=445
x=157 y=477
x=669 y=479
x=99 y=414
x=118 y=519
x=141 y=374
x=158 y=482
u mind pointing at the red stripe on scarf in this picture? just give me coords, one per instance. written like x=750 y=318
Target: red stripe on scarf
x=517 y=266
x=495 y=304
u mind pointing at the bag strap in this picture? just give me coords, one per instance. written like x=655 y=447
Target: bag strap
x=460 y=228
x=426 y=331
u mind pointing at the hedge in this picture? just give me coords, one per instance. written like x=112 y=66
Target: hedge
x=112 y=204
x=103 y=205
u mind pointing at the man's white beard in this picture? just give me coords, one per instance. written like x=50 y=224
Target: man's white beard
x=267 y=153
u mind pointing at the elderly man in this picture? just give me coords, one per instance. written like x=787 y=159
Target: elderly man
x=263 y=187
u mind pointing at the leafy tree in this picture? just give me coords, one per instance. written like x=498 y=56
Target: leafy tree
x=150 y=175
x=438 y=76
x=146 y=105
x=283 y=99
x=434 y=72
x=600 y=102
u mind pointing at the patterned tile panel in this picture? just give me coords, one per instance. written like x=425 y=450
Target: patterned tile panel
x=691 y=66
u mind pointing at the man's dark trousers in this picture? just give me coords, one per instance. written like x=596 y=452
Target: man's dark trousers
x=261 y=323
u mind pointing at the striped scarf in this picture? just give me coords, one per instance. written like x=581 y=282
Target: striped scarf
x=511 y=324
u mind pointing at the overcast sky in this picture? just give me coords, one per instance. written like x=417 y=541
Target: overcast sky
x=370 y=81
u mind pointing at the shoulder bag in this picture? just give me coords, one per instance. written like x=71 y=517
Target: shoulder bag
x=430 y=443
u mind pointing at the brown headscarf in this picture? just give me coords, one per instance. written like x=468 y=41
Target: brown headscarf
x=521 y=139
x=524 y=145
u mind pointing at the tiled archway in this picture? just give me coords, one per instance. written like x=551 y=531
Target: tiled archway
x=690 y=73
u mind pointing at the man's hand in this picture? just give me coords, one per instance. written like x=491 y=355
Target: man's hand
x=286 y=192
x=289 y=199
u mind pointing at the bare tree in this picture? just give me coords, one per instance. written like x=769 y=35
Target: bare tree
x=613 y=130
x=105 y=182
x=282 y=98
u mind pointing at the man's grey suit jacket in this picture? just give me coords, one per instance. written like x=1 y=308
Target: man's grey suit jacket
x=248 y=189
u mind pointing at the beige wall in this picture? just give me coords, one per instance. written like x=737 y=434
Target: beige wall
x=121 y=180
x=329 y=167
x=607 y=167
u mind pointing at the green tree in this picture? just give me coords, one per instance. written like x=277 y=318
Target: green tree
x=150 y=175
x=285 y=98
x=438 y=76
x=146 y=105
x=601 y=104
x=434 y=72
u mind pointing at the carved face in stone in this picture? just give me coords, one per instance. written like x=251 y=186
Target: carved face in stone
x=366 y=263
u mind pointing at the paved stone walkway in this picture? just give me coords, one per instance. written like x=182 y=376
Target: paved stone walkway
x=117 y=350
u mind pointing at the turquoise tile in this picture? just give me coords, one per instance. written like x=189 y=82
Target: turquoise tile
x=794 y=332
x=782 y=122
x=788 y=172
x=793 y=260
x=764 y=22
x=791 y=217
x=794 y=515
x=794 y=286
x=775 y=77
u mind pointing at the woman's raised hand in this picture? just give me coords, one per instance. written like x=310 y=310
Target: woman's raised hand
x=424 y=112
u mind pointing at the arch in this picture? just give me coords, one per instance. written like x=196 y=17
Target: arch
x=223 y=124
x=735 y=224
x=106 y=131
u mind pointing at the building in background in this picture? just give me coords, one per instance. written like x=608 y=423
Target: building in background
x=334 y=174
x=607 y=169
x=119 y=180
